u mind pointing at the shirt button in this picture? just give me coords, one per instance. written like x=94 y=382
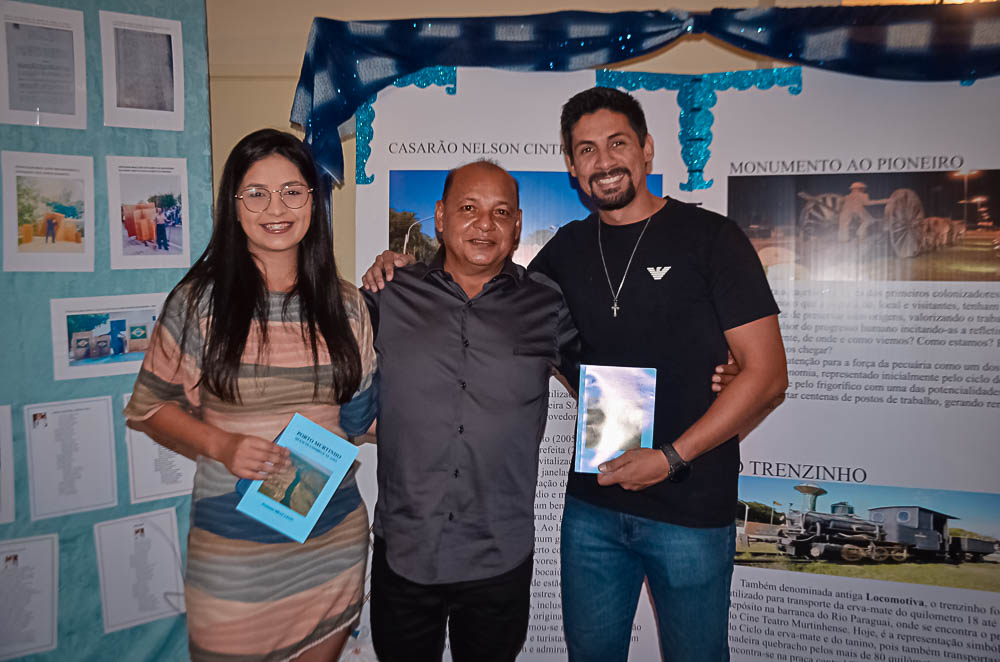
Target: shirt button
x=461 y=429
x=451 y=516
x=465 y=342
x=463 y=384
x=456 y=473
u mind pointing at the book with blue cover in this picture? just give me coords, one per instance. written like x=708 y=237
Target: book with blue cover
x=615 y=414
x=290 y=501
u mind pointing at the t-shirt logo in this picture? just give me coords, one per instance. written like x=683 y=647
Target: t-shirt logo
x=657 y=272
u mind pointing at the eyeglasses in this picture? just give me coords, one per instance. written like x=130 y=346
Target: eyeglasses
x=257 y=199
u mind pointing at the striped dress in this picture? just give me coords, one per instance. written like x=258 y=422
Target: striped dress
x=251 y=593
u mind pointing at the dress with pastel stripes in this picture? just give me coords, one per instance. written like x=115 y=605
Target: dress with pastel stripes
x=251 y=593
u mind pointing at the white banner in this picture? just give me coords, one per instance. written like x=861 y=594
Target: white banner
x=869 y=500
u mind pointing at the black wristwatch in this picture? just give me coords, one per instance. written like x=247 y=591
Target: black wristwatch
x=679 y=469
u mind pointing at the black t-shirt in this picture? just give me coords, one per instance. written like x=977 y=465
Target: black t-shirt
x=694 y=275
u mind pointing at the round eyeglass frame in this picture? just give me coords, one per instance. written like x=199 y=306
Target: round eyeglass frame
x=281 y=194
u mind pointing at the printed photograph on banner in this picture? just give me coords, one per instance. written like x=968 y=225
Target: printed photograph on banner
x=99 y=336
x=881 y=226
x=548 y=201
x=143 y=68
x=29 y=575
x=6 y=466
x=139 y=566
x=155 y=471
x=147 y=205
x=901 y=534
x=43 y=81
x=71 y=456
x=48 y=212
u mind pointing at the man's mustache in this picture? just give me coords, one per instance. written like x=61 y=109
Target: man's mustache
x=614 y=172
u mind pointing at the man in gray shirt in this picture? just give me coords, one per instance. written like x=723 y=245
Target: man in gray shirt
x=465 y=346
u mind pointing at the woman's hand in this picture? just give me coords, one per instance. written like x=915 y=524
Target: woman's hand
x=251 y=457
x=245 y=456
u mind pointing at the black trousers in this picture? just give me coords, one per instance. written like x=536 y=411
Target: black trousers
x=487 y=619
x=161 y=236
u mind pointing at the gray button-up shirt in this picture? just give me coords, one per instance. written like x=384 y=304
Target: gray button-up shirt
x=463 y=406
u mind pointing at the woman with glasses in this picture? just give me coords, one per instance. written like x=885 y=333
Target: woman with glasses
x=260 y=328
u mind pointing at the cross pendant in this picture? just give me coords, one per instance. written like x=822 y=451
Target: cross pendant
x=614 y=309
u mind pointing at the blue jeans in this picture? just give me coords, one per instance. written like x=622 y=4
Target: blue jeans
x=606 y=555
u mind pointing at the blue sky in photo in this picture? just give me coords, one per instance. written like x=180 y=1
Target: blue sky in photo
x=548 y=199
x=977 y=511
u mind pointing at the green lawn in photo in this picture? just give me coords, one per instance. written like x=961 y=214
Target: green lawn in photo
x=981 y=576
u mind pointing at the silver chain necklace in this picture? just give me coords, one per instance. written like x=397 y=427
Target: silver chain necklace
x=600 y=248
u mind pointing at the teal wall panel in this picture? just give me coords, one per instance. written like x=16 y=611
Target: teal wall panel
x=27 y=372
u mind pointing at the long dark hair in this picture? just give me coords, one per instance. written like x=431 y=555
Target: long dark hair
x=226 y=284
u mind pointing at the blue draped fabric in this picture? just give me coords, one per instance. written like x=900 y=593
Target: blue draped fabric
x=924 y=42
x=348 y=62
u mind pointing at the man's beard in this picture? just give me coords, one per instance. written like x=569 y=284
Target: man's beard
x=614 y=201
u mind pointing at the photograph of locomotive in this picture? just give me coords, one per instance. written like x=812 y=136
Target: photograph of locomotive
x=938 y=537
x=891 y=533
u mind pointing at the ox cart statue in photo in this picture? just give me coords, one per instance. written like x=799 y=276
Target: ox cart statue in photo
x=903 y=223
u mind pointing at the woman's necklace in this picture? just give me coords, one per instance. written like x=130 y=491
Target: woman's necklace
x=600 y=247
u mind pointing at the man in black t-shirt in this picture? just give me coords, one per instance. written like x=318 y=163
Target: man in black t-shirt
x=657 y=283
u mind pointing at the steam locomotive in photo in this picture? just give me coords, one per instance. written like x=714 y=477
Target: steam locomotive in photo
x=892 y=533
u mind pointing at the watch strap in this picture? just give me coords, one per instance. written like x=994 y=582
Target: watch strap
x=679 y=468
